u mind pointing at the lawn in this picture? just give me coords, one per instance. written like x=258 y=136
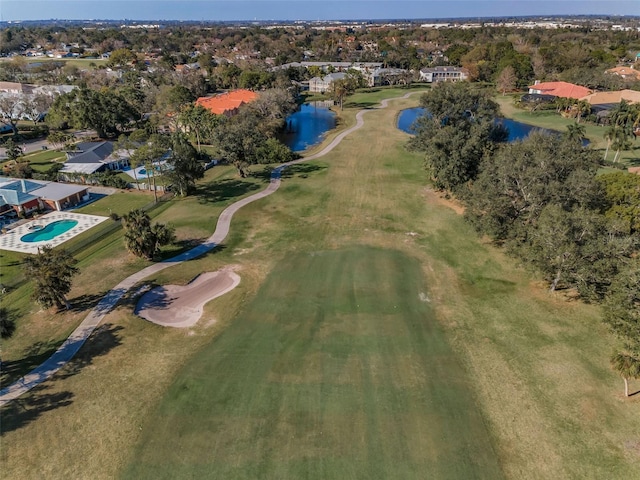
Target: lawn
x=531 y=367
x=336 y=369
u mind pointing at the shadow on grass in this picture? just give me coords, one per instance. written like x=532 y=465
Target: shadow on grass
x=103 y=339
x=27 y=408
x=32 y=357
x=86 y=302
x=184 y=246
x=224 y=190
x=299 y=169
x=361 y=105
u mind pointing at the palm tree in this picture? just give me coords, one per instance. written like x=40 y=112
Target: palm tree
x=627 y=366
x=576 y=132
x=137 y=232
x=582 y=108
x=621 y=140
x=143 y=239
x=339 y=90
x=609 y=135
x=52 y=271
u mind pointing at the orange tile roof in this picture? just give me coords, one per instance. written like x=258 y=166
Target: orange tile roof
x=561 y=89
x=227 y=102
x=625 y=72
x=603 y=98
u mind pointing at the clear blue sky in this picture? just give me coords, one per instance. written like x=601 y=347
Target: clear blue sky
x=301 y=9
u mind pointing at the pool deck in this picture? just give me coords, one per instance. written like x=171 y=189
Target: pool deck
x=11 y=240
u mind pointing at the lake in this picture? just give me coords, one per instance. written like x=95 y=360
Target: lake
x=517 y=130
x=308 y=126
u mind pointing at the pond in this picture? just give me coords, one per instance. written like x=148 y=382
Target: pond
x=517 y=130
x=308 y=125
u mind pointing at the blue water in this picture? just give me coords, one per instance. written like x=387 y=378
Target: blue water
x=517 y=130
x=308 y=126
x=49 y=232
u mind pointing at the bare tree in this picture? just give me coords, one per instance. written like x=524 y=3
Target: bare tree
x=37 y=105
x=12 y=109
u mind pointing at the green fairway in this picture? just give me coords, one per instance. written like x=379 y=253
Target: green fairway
x=337 y=369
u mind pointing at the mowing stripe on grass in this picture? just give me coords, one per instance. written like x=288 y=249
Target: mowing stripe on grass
x=336 y=369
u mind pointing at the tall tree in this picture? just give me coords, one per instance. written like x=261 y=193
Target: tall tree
x=104 y=111
x=35 y=106
x=52 y=271
x=239 y=140
x=507 y=79
x=198 y=122
x=623 y=199
x=456 y=132
x=142 y=238
x=622 y=315
x=150 y=155
x=185 y=167
x=524 y=177
x=340 y=89
x=576 y=133
x=12 y=109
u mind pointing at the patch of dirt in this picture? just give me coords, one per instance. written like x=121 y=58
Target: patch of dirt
x=440 y=198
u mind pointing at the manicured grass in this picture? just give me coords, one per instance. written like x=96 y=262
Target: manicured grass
x=121 y=202
x=336 y=369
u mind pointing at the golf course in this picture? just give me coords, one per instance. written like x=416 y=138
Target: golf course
x=373 y=335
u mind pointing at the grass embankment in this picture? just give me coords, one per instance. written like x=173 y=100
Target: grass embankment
x=536 y=366
x=554 y=121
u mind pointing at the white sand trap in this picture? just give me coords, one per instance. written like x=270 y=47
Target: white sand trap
x=181 y=305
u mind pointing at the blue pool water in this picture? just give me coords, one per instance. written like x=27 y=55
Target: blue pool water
x=517 y=130
x=50 y=231
x=307 y=126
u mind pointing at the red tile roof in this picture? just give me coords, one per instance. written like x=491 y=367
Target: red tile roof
x=227 y=102
x=560 y=89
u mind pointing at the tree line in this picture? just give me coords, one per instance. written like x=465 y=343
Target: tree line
x=542 y=201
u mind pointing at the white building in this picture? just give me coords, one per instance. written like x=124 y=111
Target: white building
x=443 y=74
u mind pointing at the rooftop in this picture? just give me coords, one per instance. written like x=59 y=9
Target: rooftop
x=227 y=102
x=561 y=89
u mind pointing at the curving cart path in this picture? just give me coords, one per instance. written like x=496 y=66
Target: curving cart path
x=77 y=338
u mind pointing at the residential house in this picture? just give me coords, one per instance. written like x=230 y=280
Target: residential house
x=383 y=76
x=560 y=89
x=605 y=101
x=95 y=157
x=323 y=84
x=27 y=196
x=627 y=73
x=15 y=88
x=227 y=103
x=443 y=74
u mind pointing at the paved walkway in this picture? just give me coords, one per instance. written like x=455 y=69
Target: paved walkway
x=72 y=344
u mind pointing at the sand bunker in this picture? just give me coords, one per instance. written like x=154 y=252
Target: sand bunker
x=181 y=305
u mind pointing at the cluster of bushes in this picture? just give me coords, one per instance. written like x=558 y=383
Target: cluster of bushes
x=105 y=179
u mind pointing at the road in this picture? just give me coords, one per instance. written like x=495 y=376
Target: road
x=31 y=146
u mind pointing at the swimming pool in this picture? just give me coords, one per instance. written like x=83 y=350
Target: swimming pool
x=49 y=231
